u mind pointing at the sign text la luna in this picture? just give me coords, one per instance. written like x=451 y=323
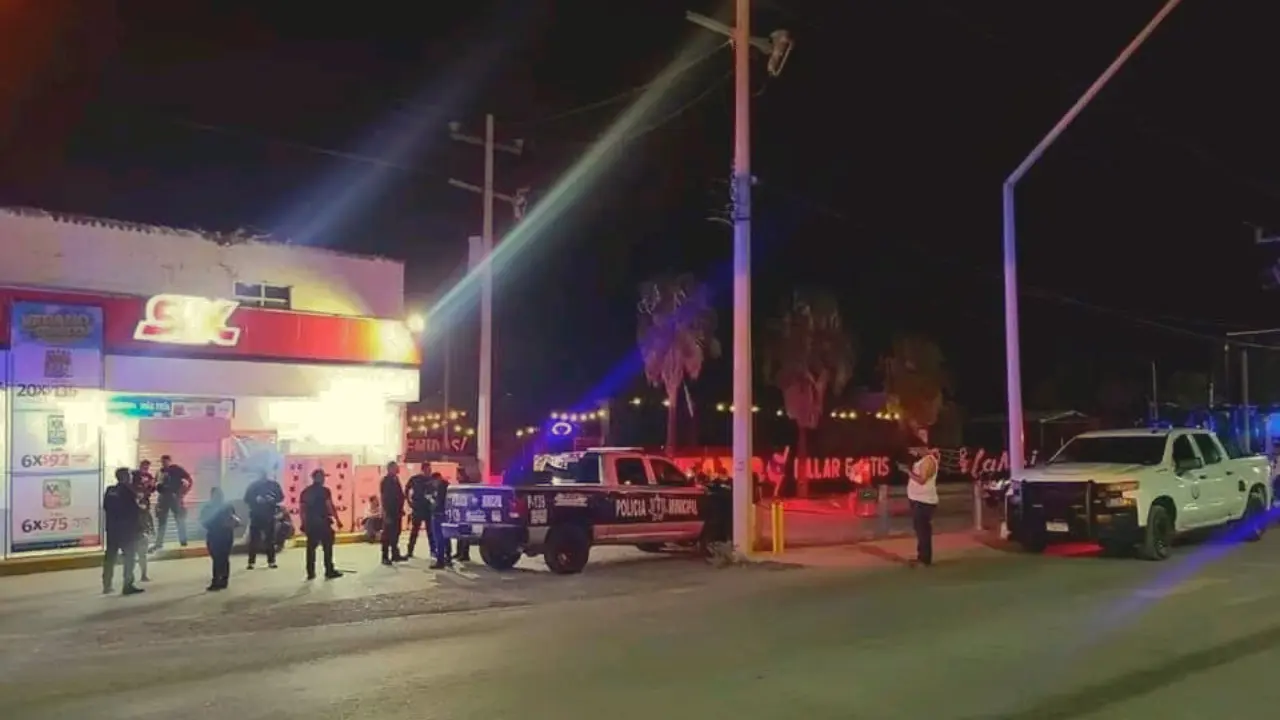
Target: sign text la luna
x=188 y=320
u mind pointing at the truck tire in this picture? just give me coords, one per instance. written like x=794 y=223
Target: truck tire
x=1254 y=522
x=498 y=557
x=1157 y=536
x=567 y=550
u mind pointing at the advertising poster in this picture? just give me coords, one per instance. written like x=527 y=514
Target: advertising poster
x=54 y=436
x=55 y=511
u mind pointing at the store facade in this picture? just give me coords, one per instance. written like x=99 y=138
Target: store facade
x=96 y=380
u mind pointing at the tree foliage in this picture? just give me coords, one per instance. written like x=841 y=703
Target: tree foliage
x=676 y=326
x=915 y=377
x=808 y=355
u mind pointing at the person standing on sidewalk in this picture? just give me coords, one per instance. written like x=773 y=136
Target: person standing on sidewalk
x=318 y=518
x=219 y=520
x=922 y=493
x=120 y=506
x=262 y=497
x=144 y=484
x=171 y=491
x=440 y=544
x=392 y=514
x=419 y=491
x=464 y=546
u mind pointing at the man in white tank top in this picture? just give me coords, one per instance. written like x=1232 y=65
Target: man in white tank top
x=922 y=493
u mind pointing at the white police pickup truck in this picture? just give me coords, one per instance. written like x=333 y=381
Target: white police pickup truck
x=603 y=496
x=1139 y=489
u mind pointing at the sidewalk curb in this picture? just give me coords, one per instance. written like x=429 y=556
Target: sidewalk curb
x=90 y=559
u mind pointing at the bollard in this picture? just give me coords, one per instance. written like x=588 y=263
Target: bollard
x=883 y=501
x=977 y=506
x=776 y=523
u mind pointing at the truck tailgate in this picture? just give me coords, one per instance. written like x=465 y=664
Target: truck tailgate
x=480 y=504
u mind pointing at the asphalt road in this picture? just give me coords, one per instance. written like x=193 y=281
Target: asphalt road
x=995 y=635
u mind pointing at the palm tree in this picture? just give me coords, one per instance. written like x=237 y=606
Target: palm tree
x=676 y=335
x=809 y=356
x=915 y=377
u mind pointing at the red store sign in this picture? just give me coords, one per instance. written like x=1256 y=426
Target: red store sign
x=188 y=326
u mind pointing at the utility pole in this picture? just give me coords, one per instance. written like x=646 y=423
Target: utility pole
x=1012 y=342
x=778 y=48
x=484 y=403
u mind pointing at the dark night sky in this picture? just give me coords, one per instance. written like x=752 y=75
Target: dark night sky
x=881 y=151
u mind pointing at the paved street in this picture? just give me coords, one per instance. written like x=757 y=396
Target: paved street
x=991 y=634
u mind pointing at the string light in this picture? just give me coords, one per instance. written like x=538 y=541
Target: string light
x=451 y=415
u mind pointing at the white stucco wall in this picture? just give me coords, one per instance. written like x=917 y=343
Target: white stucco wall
x=68 y=252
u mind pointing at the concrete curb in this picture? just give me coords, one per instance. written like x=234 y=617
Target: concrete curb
x=81 y=560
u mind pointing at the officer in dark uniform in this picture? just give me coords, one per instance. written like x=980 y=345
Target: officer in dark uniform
x=392 y=514
x=464 y=547
x=262 y=497
x=315 y=504
x=419 y=491
x=171 y=491
x=124 y=527
x=439 y=494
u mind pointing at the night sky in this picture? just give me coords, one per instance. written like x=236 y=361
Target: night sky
x=880 y=152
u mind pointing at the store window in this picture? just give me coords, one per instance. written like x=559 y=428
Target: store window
x=264 y=295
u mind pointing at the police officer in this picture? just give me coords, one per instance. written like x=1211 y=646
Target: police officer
x=318 y=518
x=440 y=549
x=464 y=546
x=392 y=514
x=419 y=491
x=171 y=490
x=124 y=526
x=262 y=497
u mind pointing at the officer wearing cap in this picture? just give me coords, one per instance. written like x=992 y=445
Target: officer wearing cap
x=315 y=504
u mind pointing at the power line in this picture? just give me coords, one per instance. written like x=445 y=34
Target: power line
x=619 y=97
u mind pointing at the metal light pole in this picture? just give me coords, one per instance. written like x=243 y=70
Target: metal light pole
x=742 y=365
x=484 y=400
x=1013 y=363
x=778 y=48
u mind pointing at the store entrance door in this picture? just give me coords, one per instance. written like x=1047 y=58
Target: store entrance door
x=193 y=443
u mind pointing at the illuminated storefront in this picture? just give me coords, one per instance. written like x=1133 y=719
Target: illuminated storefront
x=94 y=382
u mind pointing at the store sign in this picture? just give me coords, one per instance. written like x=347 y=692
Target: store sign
x=170 y=408
x=188 y=320
x=54 y=511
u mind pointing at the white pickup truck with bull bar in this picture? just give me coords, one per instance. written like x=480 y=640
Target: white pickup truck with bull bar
x=603 y=496
x=1139 y=488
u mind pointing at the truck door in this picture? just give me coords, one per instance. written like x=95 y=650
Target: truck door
x=1193 y=484
x=683 y=502
x=1220 y=484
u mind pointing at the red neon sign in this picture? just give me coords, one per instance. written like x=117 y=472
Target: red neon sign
x=188 y=320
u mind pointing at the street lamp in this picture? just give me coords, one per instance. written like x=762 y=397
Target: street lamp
x=1012 y=343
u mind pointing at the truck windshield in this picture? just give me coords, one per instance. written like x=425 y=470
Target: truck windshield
x=1115 y=449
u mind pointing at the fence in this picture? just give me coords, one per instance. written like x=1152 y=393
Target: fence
x=871 y=513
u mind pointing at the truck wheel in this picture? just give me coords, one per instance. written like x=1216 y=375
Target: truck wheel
x=651 y=547
x=567 y=550
x=1157 y=542
x=498 y=557
x=1255 y=517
